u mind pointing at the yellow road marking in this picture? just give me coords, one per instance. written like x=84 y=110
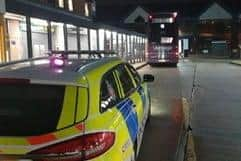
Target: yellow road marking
x=190 y=153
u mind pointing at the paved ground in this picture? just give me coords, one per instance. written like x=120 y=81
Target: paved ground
x=162 y=134
x=216 y=110
x=216 y=116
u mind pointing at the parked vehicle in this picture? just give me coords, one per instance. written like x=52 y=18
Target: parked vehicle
x=72 y=109
x=162 y=39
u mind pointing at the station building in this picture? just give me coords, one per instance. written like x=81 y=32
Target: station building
x=31 y=28
x=205 y=28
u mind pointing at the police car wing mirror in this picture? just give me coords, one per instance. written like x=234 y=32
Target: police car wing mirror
x=148 y=78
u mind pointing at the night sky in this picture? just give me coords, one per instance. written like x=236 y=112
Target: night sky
x=126 y=2
x=119 y=9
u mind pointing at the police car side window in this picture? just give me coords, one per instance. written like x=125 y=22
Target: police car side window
x=108 y=92
x=135 y=74
x=126 y=80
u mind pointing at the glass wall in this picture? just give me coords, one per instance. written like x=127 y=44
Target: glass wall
x=93 y=39
x=139 y=48
x=64 y=37
x=39 y=29
x=84 y=45
x=101 y=39
x=128 y=45
x=72 y=37
x=17 y=47
x=57 y=31
x=143 y=46
x=108 y=43
x=132 y=45
x=115 y=45
x=120 y=47
x=138 y=45
x=124 y=46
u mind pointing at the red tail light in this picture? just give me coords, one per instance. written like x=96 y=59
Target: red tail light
x=175 y=51
x=78 y=149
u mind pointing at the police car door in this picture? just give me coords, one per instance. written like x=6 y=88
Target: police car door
x=129 y=106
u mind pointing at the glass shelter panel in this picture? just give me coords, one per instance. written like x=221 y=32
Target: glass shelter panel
x=72 y=37
x=108 y=43
x=17 y=47
x=115 y=45
x=84 y=45
x=93 y=39
x=39 y=33
x=101 y=39
x=120 y=47
x=57 y=31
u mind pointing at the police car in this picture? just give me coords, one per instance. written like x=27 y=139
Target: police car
x=70 y=109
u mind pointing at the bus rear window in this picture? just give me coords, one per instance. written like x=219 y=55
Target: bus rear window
x=28 y=110
x=162 y=33
x=167 y=40
x=163 y=20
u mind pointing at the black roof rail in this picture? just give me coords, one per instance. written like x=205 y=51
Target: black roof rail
x=98 y=53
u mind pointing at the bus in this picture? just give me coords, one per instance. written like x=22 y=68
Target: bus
x=162 y=39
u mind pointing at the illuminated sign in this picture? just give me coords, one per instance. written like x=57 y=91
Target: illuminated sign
x=163 y=20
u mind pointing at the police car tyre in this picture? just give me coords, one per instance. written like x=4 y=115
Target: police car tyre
x=149 y=111
x=135 y=151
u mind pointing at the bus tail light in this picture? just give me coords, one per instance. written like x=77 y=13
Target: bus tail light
x=78 y=149
x=175 y=51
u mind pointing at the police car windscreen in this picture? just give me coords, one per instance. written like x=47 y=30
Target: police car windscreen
x=28 y=110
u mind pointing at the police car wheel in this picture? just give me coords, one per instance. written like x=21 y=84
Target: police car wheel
x=149 y=116
x=149 y=112
x=135 y=151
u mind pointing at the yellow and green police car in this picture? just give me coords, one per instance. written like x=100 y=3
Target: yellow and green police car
x=62 y=109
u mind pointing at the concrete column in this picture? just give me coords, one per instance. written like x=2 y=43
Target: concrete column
x=65 y=37
x=78 y=39
x=49 y=37
x=98 y=39
x=89 y=39
x=29 y=37
x=111 y=39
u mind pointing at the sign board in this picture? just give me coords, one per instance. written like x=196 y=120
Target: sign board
x=2 y=6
